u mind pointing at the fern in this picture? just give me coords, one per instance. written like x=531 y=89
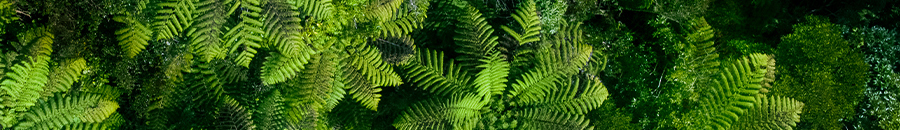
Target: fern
x=133 y=38
x=315 y=82
x=316 y=9
x=271 y=112
x=770 y=75
x=234 y=116
x=538 y=119
x=460 y=112
x=474 y=38
x=282 y=27
x=552 y=66
x=771 y=113
x=60 y=111
x=368 y=61
x=247 y=35
x=172 y=17
x=732 y=94
x=431 y=73
x=97 y=113
x=394 y=50
x=210 y=16
x=493 y=77
x=23 y=85
x=62 y=76
x=87 y=126
x=526 y=16
x=580 y=96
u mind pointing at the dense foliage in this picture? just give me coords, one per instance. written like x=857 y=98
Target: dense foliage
x=449 y=64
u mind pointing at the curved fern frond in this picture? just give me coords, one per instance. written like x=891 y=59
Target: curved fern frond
x=459 y=112
x=474 y=38
x=771 y=113
x=279 y=68
x=88 y=126
x=62 y=76
x=394 y=50
x=538 y=119
x=247 y=35
x=430 y=72
x=57 y=112
x=172 y=17
x=133 y=38
x=204 y=86
x=283 y=30
x=383 y=10
x=316 y=9
x=579 y=97
x=210 y=16
x=526 y=16
x=733 y=93
x=99 y=112
x=234 y=116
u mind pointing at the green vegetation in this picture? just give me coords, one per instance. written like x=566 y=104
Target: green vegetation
x=449 y=64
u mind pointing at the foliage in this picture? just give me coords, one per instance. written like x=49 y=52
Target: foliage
x=815 y=49
x=880 y=46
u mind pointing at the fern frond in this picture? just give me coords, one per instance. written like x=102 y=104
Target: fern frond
x=114 y=121
x=315 y=82
x=733 y=92
x=62 y=76
x=316 y=9
x=526 y=16
x=172 y=17
x=98 y=112
x=351 y=115
x=106 y=92
x=368 y=61
x=394 y=50
x=247 y=35
x=205 y=41
x=279 y=68
x=360 y=88
x=204 y=86
x=538 y=119
x=57 y=112
x=283 y=30
x=493 y=77
x=234 y=116
x=459 y=112
x=430 y=72
x=87 y=126
x=770 y=75
x=383 y=10
x=23 y=84
x=132 y=38
x=271 y=113
x=771 y=113
x=579 y=97
x=552 y=66
x=474 y=39
x=229 y=72
x=35 y=42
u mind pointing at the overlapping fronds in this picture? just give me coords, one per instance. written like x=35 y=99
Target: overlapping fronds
x=351 y=115
x=172 y=17
x=284 y=35
x=539 y=119
x=368 y=60
x=24 y=82
x=229 y=72
x=234 y=116
x=474 y=39
x=699 y=63
x=459 y=112
x=733 y=92
x=316 y=9
x=394 y=50
x=383 y=10
x=210 y=16
x=526 y=16
x=247 y=35
x=204 y=86
x=771 y=113
x=62 y=76
x=57 y=112
x=134 y=36
x=271 y=113
x=312 y=87
x=430 y=72
x=552 y=66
